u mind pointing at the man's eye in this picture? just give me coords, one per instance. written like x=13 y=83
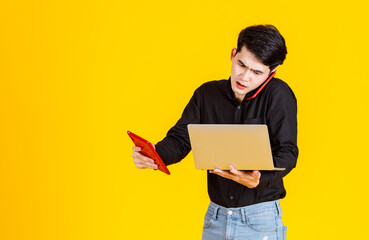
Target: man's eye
x=257 y=73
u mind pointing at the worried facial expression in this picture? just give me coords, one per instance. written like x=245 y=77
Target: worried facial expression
x=247 y=73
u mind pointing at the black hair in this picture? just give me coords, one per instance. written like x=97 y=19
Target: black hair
x=265 y=42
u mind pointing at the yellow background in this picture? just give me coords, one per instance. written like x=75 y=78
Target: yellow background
x=76 y=75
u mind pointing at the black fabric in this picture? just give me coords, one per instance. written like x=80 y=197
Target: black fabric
x=214 y=103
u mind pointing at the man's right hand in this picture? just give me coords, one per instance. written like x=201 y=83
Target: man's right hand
x=142 y=161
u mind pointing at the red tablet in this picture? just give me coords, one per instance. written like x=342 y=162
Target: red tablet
x=148 y=150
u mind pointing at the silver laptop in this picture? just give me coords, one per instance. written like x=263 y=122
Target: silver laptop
x=246 y=147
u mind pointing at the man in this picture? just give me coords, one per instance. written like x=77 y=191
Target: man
x=244 y=204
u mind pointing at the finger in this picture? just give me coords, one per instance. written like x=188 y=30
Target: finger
x=145 y=164
x=136 y=149
x=233 y=170
x=222 y=173
x=256 y=173
x=152 y=166
x=218 y=171
x=139 y=156
x=141 y=164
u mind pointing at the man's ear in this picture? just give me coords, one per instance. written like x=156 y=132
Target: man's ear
x=233 y=53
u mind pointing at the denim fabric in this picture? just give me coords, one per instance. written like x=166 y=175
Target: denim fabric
x=262 y=221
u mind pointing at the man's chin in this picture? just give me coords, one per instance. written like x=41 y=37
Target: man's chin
x=239 y=91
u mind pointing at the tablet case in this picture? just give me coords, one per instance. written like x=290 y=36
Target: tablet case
x=148 y=150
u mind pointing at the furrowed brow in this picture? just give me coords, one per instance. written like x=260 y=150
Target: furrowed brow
x=241 y=62
x=256 y=71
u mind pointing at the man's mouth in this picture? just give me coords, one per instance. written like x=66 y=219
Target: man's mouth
x=240 y=86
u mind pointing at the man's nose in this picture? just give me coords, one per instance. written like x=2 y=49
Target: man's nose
x=246 y=75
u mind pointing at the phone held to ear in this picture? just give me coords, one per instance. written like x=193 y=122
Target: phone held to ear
x=262 y=86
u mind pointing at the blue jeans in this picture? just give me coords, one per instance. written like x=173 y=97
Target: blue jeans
x=259 y=221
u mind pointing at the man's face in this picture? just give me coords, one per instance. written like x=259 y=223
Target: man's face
x=247 y=73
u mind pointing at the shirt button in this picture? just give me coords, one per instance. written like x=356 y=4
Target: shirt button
x=238 y=107
x=230 y=212
x=231 y=197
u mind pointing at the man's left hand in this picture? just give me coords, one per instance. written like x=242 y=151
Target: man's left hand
x=248 y=179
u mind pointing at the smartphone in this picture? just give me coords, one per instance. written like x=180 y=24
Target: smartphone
x=148 y=150
x=263 y=85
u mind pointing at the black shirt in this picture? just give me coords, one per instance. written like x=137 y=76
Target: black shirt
x=214 y=103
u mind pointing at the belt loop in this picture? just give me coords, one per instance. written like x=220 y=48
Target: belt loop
x=215 y=214
x=278 y=207
x=243 y=215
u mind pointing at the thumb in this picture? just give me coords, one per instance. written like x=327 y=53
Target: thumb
x=256 y=173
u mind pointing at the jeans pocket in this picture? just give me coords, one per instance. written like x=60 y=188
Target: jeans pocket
x=262 y=221
x=208 y=222
x=208 y=218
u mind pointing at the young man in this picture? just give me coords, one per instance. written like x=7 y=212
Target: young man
x=244 y=204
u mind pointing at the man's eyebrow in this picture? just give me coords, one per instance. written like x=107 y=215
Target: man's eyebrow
x=256 y=71
x=241 y=62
